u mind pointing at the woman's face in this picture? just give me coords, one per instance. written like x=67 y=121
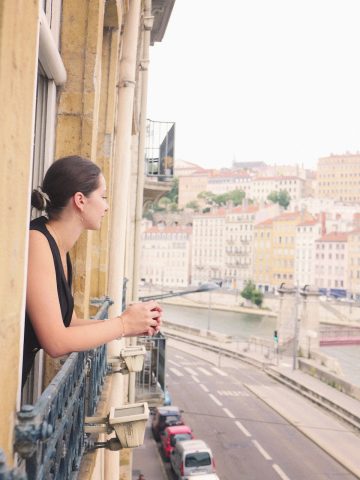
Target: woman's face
x=96 y=206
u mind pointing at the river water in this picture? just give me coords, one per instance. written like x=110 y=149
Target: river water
x=243 y=325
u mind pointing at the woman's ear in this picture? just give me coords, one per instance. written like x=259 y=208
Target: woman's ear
x=79 y=200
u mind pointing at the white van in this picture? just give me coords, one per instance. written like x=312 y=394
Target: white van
x=191 y=457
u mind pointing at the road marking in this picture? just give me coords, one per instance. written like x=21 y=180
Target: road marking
x=195 y=379
x=280 y=472
x=228 y=413
x=173 y=363
x=190 y=370
x=219 y=372
x=243 y=429
x=176 y=371
x=204 y=387
x=261 y=450
x=232 y=393
x=215 y=399
x=205 y=371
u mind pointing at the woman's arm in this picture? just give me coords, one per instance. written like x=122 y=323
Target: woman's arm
x=43 y=308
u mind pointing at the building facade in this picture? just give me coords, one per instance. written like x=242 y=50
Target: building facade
x=331 y=261
x=338 y=177
x=306 y=235
x=208 y=253
x=166 y=256
x=263 y=186
x=73 y=77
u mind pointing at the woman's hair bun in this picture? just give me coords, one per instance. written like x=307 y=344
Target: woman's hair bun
x=39 y=199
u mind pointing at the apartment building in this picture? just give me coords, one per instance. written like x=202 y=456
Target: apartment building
x=263 y=186
x=338 y=177
x=353 y=269
x=227 y=181
x=208 y=240
x=239 y=241
x=166 y=256
x=284 y=235
x=307 y=232
x=73 y=81
x=263 y=255
x=331 y=261
x=191 y=185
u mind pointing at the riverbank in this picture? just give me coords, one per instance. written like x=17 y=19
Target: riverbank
x=223 y=302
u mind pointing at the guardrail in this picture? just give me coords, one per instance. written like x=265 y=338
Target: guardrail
x=50 y=435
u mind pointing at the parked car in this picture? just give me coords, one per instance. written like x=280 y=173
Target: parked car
x=171 y=435
x=165 y=417
x=191 y=457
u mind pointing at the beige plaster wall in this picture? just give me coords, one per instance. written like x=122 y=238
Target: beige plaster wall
x=18 y=67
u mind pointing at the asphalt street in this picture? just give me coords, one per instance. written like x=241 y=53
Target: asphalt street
x=249 y=439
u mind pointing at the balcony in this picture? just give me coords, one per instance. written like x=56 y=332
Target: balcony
x=53 y=435
x=159 y=159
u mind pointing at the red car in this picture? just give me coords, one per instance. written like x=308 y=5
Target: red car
x=171 y=435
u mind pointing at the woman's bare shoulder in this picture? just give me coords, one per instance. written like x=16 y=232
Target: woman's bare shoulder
x=39 y=247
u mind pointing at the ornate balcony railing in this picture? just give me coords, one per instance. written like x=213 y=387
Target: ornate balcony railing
x=159 y=149
x=150 y=382
x=50 y=435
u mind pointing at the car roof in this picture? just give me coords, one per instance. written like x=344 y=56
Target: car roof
x=169 y=410
x=192 y=445
x=206 y=476
x=178 y=429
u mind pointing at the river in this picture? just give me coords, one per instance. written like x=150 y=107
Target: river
x=243 y=325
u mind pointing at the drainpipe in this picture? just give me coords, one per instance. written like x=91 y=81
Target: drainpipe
x=144 y=66
x=119 y=206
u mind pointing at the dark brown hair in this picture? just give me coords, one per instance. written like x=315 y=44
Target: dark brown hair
x=63 y=179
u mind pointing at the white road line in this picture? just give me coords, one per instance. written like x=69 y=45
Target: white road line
x=203 y=370
x=243 y=429
x=190 y=370
x=215 y=399
x=228 y=413
x=204 y=387
x=261 y=450
x=219 y=372
x=173 y=363
x=195 y=379
x=176 y=371
x=281 y=474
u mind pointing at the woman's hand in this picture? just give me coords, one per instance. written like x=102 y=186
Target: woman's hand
x=142 y=318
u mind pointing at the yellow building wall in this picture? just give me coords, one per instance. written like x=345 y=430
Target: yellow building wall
x=18 y=68
x=263 y=255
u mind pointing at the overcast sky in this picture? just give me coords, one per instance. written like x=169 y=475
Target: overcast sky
x=259 y=80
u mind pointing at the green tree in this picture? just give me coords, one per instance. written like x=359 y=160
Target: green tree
x=193 y=205
x=281 y=197
x=173 y=195
x=236 y=196
x=250 y=292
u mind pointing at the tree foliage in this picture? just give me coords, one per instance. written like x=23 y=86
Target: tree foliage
x=250 y=292
x=281 y=197
x=235 y=196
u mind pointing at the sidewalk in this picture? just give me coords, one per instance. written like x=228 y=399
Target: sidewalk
x=147 y=459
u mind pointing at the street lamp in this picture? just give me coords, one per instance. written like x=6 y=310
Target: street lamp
x=204 y=287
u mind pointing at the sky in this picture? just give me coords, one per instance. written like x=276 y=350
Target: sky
x=276 y=81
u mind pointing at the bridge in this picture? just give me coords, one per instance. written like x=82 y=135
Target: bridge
x=339 y=335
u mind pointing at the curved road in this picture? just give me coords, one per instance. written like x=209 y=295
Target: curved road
x=249 y=439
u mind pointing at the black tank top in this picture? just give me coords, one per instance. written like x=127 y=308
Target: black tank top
x=31 y=343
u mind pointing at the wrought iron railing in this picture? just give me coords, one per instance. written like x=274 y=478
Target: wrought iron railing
x=159 y=149
x=49 y=435
x=150 y=382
